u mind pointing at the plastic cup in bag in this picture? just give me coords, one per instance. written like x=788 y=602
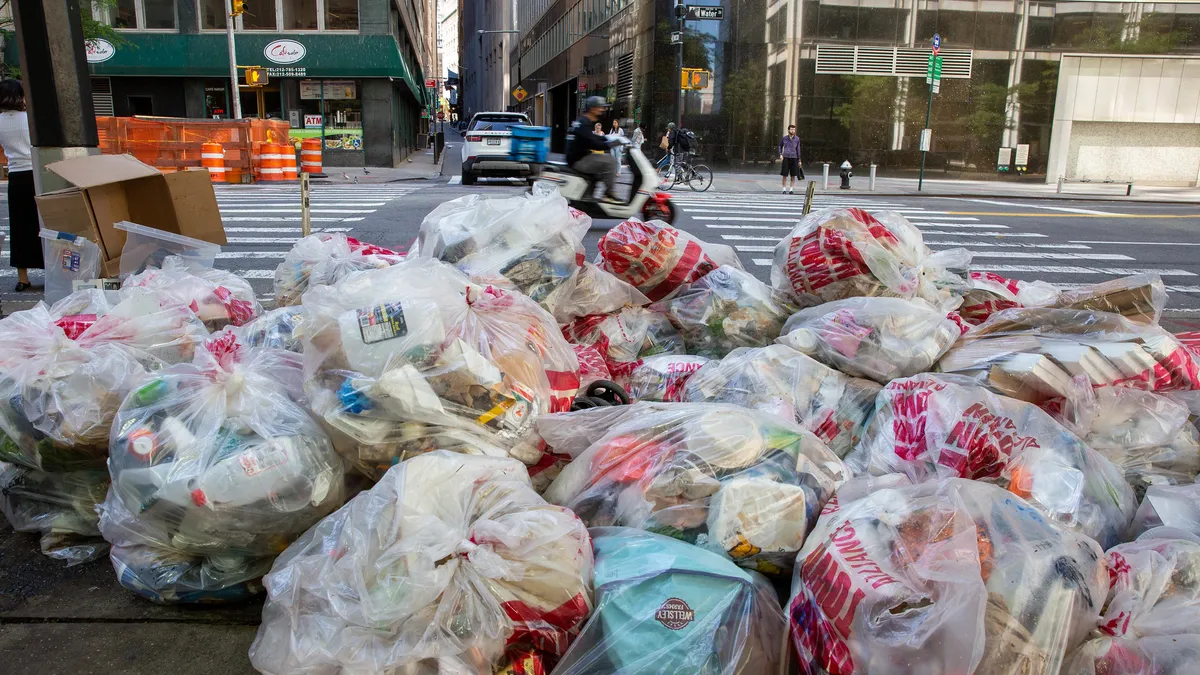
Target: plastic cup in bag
x=69 y=258
x=149 y=247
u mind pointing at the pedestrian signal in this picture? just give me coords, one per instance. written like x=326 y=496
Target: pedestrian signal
x=694 y=78
x=256 y=76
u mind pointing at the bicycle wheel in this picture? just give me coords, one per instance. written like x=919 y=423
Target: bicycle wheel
x=666 y=177
x=700 y=178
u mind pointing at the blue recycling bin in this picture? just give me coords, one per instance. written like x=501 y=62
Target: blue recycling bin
x=530 y=144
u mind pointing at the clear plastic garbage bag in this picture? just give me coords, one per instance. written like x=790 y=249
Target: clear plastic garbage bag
x=664 y=607
x=662 y=378
x=932 y=427
x=1033 y=353
x=1173 y=506
x=626 y=337
x=68 y=258
x=742 y=483
x=949 y=577
x=991 y=293
x=416 y=357
x=218 y=297
x=836 y=254
x=450 y=564
x=1153 y=588
x=324 y=258
x=592 y=366
x=1159 y=655
x=61 y=507
x=780 y=380
x=723 y=310
x=657 y=258
x=157 y=327
x=594 y=291
x=877 y=338
x=281 y=328
x=216 y=459
x=1140 y=298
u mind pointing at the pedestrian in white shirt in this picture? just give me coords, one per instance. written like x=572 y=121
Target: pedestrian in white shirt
x=617 y=151
x=25 y=246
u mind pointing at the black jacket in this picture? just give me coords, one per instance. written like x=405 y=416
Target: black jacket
x=581 y=140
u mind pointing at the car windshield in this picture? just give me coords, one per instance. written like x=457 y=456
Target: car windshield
x=497 y=123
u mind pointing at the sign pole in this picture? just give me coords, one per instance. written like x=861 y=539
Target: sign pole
x=934 y=75
x=233 y=76
x=679 y=11
x=305 y=213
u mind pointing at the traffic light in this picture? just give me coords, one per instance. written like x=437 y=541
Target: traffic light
x=256 y=76
x=700 y=79
x=685 y=78
x=239 y=7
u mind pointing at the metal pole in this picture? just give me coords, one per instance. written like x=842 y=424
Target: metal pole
x=322 y=85
x=233 y=75
x=305 y=214
x=825 y=175
x=928 y=108
x=808 y=196
x=679 y=80
x=871 y=187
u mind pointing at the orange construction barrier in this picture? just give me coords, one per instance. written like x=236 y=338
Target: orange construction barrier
x=310 y=155
x=271 y=168
x=175 y=144
x=212 y=157
x=289 y=161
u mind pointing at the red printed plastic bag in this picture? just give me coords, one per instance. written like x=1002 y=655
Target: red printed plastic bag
x=991 y=293
x=657 y=258
x=1153 y=587
x=626 y=337
x=662 y=378
x=218 y=297
x=591 y=365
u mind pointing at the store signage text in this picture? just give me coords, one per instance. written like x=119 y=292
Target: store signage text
x=284 y=51
x=312 y=121
x=99 y=50
x=334 y=89
x=287 y=72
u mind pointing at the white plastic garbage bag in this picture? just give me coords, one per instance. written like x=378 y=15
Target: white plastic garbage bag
x=450 y=564
x=662 y=377
x=281 y=328
x=991 y=293
x=1172 y=506
x=218 y=297
x=324 y=258
x=1159 y=655
x=61 y=507
x=626 y=338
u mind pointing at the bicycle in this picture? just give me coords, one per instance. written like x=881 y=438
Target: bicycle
x=697 y=176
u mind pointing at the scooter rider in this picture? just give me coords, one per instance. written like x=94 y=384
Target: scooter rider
x=587 y=153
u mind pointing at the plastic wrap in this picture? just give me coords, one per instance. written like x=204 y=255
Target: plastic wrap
x=626 y=338
x=215 y=459
x=942 y=578
x=877 y=338
x=450 y=564
x=836 y=254
x=1140 y=298
x=657 y=258
x=1172 y=655
x=668 y=608
x=1033 y=354
x=991 y=293
x=742 y=483
x=1153 y=588
x=281 y=328
x=594 y=291
x=662 y=378
x=931 y=427
x=416 y=357
x=218 y=297
x=592 y=366
x=780 y=380
x=61 y=507
x=324 y=258
x=69 y=258
x=158 y=328
x=723 y=310
x=1173 y=506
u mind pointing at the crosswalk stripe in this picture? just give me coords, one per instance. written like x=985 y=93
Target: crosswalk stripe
x=1066 y=269
x=1140 y=243
x=1021 y=255
x=263 y=240
x=255 y=274
x=285 y=230
x=292 y=219
x=311 y=202
x=968 y=244
x=297 y=210
x=253 y=255
x=454 y=180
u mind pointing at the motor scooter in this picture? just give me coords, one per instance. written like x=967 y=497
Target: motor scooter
x=644 y=201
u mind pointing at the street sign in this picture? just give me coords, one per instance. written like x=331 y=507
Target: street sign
x=705 y=13
x=1022 y=155
x=676 y=37
x=1003 y=160
x=933 y=69
x=582 y=85
x=937 y=86
x=937 y=42
x=519 y=93
x=441 y=115
x=312 y=121
x=430 y=83
x=926 y=139
x=256 y=76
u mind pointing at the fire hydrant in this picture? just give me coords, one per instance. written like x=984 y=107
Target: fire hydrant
x=846 y=174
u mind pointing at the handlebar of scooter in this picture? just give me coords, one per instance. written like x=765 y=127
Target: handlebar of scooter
x=615 y=140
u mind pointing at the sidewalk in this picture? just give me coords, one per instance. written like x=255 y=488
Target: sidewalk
x=418 y=166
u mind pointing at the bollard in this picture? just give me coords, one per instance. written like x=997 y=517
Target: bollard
x=305 y=212
x=1060 y=182
x=288 y=161
x=212 y=157
x=825 y=175
x=310 y=155
x=871 y=184
x=808 y=196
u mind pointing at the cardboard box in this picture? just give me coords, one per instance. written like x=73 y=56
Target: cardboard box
x=112 y=188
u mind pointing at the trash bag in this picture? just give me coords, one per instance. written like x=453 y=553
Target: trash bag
x=657 y=259
x=626 y=338
x=1140 y=298
x=216 y=459
x=156 y=326
x=942 y=577
x=594 y=291
x=668 y=608
x=662 y=378
x=742 y=483
x=416 y=357
x=1153 y=588
x=935 y=426
x=281 y=328
x=1173 y=506
x=1159 y=655
x=1033 y=353
x=218 y=297
x=591 y=365
x=836 y=254
x=450 y=564
x=324 y=258
x=780 y=380
x=877 y=338
x=59 y=506
x=991 y=293
x=723 y=310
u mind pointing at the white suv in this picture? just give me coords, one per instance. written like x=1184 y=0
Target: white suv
x=486 y=146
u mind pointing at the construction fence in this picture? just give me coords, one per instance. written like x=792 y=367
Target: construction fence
x=173 y=144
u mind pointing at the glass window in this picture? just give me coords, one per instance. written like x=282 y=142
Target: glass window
x=299 y=14
x=124 y=14
x=878 y=24
x=159 y=14
x=497 y=123
x=836 y=22
x=259 y=15
x=341 y=14
x=212 y=14
x=1041 y=32
x=997 y=30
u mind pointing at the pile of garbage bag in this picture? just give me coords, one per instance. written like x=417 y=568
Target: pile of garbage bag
x=877 y=338
x=450 y=564
x=742 y=483
x=215 y=469
x=61 y=507
x=950 y=577
x=218 y=297
x=931 y=427
x=657 y=259
x=324 y=258
x=780 y=380
x=416 y=357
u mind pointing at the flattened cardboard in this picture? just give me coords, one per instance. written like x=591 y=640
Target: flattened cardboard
x=93 y=170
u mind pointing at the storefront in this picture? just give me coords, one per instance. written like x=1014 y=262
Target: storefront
x=357 y=92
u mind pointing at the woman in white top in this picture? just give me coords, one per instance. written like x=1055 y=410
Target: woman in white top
x=24 y=244
x=617 y=151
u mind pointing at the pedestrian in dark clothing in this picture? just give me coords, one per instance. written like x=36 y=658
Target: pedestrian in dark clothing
x=789 y=155
x=24 y=244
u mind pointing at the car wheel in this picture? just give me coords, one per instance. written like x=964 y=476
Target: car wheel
x=468 y=178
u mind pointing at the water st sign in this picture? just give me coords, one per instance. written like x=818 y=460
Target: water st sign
x=937 y=42
x=705 y=13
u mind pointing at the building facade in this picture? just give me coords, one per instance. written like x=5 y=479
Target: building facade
x=484 y=58
x=350 y=71
x=851 y=75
